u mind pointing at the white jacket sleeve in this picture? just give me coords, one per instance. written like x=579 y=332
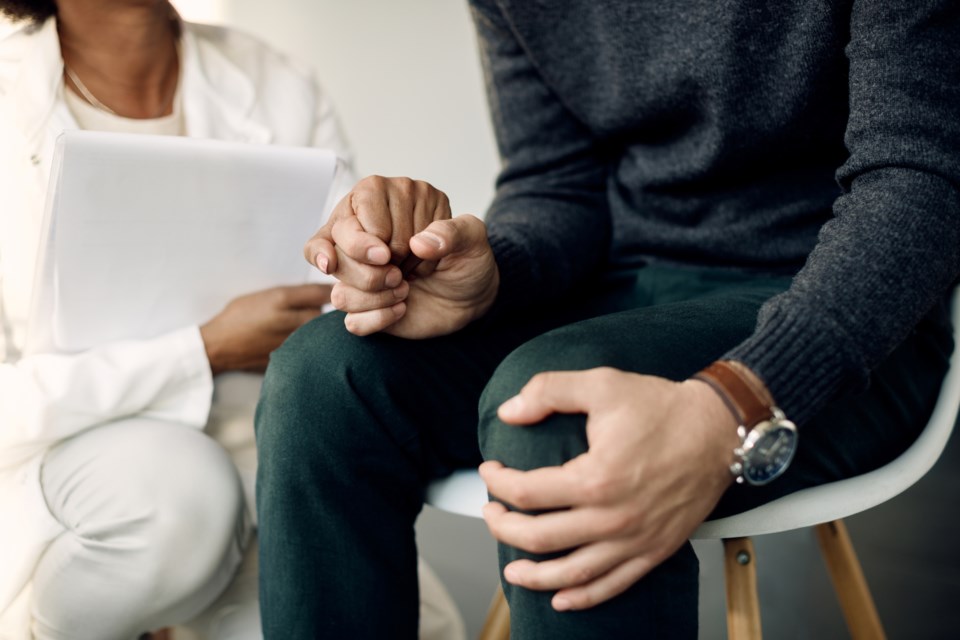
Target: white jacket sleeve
x=328 y=134
x=45 y=398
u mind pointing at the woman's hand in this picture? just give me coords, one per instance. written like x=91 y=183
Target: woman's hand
x=242 y=336
x=657 y=464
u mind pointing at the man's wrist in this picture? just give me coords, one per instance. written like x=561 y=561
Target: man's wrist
x=768 y=440
x=745 y=395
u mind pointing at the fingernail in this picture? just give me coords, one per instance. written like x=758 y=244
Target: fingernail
x=400 y=291
x=378 y=255
x=561 y=604
x=398 y=309
x=512 y=575
x=322 y=262
x=394 y=278
x=432 y=239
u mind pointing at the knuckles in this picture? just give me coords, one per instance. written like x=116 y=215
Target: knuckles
x=534 y=542
x=406 y=188
x=521 y=498
x=403 y=189
x=597 y=489
x=371 y=183
x=538 y=384
x=278 y=298
x=338 y=297
x=354 y=325
x=370 y=280
x=579 y=575
x=617 y=524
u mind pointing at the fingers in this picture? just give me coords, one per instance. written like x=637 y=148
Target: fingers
x=319 y=252
x=346 y=230
x=546 y=532
x=305 y=296
x=370 y=205
x=607 y=586
x=586 y=564
x=375 y=221
x=351 y=300
x=394 y=209
x=444 y=237
x=587 y=576
x=352 y=238
x=409 y=264
x=367 y=322
x=366 y=277
x=555 y=392
x=543 y=488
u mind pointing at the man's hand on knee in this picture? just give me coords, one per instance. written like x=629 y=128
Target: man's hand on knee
x=657 y=463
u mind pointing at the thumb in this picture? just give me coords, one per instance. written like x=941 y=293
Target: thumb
x=551 y=392
x=442 y=238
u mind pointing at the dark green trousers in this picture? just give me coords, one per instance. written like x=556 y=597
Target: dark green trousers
x=351 y=430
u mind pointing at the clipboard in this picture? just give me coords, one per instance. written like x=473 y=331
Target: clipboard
x=147 y=234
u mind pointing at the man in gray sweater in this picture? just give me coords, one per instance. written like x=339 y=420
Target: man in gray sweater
x=717 y=226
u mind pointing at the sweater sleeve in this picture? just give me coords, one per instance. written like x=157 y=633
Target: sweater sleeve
x=893 y=246
x=549 y=223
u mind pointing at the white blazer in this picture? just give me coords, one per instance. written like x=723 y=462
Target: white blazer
x=233 y=88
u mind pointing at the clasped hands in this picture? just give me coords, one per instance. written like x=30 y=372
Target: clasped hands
x=374 y=229
x=658 y=450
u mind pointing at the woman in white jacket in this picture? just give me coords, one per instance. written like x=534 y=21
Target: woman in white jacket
x=121 y=505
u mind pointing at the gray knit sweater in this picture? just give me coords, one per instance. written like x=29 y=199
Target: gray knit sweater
x=816 y=137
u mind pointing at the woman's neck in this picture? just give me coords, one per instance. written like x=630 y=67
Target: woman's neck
x=124 y=53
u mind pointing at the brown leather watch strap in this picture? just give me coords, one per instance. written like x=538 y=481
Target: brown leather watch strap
x=749 y=403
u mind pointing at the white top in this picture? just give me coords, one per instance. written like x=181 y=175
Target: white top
x=91 y=118
x=233 y=87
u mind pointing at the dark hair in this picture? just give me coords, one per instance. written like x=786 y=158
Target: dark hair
x=34 y=10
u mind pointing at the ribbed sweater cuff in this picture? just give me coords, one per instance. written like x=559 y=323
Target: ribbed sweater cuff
x=801 y=359
x=517 y=277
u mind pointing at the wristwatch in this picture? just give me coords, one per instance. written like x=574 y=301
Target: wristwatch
x=768 y=441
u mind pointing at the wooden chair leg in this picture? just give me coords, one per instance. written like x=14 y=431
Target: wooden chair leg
x=497 y=624
x=740 y=573
x=848 y=581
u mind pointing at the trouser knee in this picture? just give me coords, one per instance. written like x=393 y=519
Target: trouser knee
x=312 y=378
x=155 y=509
x=557 y=438
x=327 y=407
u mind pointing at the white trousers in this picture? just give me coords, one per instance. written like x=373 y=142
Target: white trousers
x=153 y=520
x=156 y=523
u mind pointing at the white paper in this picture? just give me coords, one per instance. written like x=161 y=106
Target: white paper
x=147 y=234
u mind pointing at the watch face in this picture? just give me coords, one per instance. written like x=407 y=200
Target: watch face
x=772 y=449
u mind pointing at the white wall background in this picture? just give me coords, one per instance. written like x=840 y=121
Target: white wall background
x=200 y=10
x=404 y=75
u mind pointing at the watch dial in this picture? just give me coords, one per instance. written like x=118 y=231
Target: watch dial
x=770 y=455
